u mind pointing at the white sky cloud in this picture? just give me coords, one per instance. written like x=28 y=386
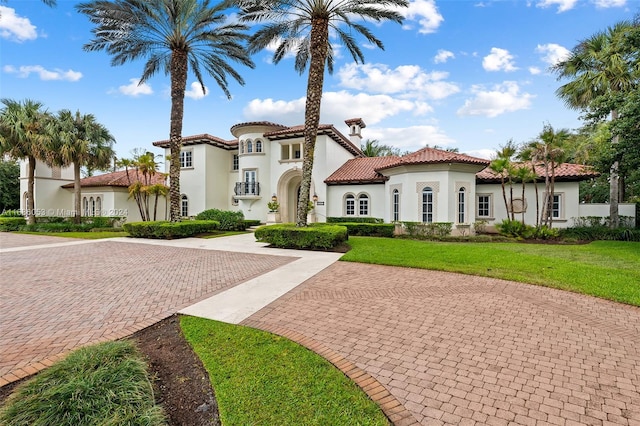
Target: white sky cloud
x=25 y=71
x=563 y=5
x=500 y=99
x=534 y=70
x=336 y=106
x=609 y=3
x=409 y=81
x=195 y=91
x=425 y=12
x=553 y=53
x=14 y=27
x=486 y=153
x=499 y=60
x=443 y=56
x=134 y=89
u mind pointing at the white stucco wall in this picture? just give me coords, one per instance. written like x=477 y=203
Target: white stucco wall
x=50 y=199
x=335 y=202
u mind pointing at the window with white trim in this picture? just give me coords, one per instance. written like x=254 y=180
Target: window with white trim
x=556 y=206
x=396 y=205
x=249 y=147
x=363 y=205
x=350 y=205
x=186 y=159
x=236 y=162
x=484 y=205
x=462 y=201
x=98 y=206
x=184 y=206
x=258 y=146
x=291 y=151
x=427 y=205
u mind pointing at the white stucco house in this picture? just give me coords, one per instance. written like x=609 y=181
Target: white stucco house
x=263 y=161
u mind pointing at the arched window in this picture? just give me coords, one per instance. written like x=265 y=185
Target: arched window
x=98 y=206
x=92 y=207
x=427 y=205
x=249 y=147
x=85 y=206
x=462 y=199
x=350 y=205
x=241 y=147
x=363 y=205
x=184 y=206
x=258 y=146
x=396 y=205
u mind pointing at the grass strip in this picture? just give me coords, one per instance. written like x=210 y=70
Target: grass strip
x=605 y=269
x=264 y=379
x=104 y=384
x=83 y=235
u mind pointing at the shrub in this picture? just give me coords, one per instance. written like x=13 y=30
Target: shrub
x=11 y=213
x=427 y=230
x=370 y=229
x=251 y=222
x=104 y=384
x=229 y=220
x=169 y=230
x=288 y=235
x=592 y=233
x=11 y=223
x=354 y=220
x=57 y=227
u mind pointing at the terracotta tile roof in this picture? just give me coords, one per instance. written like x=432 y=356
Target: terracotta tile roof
x=323 y=129
x=360 y=170
x=563 y=172
x=434 y=156
x=118 y=179
x=257 y=123
x=202 y=139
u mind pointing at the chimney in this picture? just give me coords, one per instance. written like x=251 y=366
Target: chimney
x=355 y=130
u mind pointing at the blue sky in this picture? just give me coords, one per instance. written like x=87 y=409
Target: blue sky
x=463 y=74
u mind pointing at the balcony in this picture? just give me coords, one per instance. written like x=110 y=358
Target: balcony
x=247 y=189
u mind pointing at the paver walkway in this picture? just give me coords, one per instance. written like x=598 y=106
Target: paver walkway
x=56 y=297
x=456 y=349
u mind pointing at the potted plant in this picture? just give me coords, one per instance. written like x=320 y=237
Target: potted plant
x=311 y=212
x=274 y=214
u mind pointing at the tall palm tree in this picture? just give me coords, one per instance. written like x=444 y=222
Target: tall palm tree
x=373 y=148
x=176 y=36
x=599 y=66
x=532 y=153
x=79 y=140
x=23 y=135
x=551 y=149
x=304 y=26
x=502 y=166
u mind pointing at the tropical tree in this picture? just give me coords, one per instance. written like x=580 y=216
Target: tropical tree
x=9 y=185
x=23 y=135
x=524 y=174
x=601 y=65
x=142 y=176
x=373 y=148
x=304 y=26
x=502 y=166
x=78 y=140
x=530 y=153
x=176 y=36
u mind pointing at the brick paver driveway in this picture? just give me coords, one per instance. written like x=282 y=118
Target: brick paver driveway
x=457 y=349
x=56 y=298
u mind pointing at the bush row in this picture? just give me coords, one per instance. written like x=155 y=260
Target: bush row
x=427 y=230
x=169 y=230
x=517 y=229
x=229 y=220
x=369 y=229
x=592 y=233
x=354 y=220
x=8 y=224
x=315 y=237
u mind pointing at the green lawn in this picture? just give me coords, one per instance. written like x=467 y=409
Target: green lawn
x=83 y=235
x=263 y=379
x=606 y=269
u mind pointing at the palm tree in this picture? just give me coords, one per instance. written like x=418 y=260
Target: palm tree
x=174 y=36
x=599 y=66
x=81 y=141
x=532 y=153
x=501 y=165
x=524 y=174
x=304 y=26
x=373 y=148
x=23 y=135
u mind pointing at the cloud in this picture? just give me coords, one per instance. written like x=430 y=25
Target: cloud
x=603 y=4
x=534 y=70
x=14 y=27
x=443 y=56
x=57 y=74
x=336 y=107
x=500 y=99
x=498 y=60
x=135 y=89
x=486 y=153
x=195 y=92
x=410 y=138
x=563 y=5
x=425 y=12
x=553 y=53
x=409 y=81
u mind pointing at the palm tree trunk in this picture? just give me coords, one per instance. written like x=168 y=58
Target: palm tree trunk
x=179 y=68
x=315 y=82
x=504 y=196
x=77 y=193
x=523 y=209
x=614 y=184
x=535 y=186
x=155 y=207
x=31 y=205
x=553 y=190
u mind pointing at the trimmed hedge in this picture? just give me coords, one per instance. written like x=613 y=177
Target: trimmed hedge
x=57 y=227
x=229 y=220
x=288 y=235
x=168 y=230
x=354 y=220
x=592 y=233
x=370 y=229
x=252 y=222
x=11 y=223
x=427 y=230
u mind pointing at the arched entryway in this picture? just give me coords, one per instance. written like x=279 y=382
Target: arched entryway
x=288 y=189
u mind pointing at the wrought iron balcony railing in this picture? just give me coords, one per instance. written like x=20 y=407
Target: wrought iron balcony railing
x=247 y=188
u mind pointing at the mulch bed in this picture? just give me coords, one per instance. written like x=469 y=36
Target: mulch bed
x=180 y=381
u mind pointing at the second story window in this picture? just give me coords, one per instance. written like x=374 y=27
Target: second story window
x=291 y=151
x=236 y=162
x=258 y=146
x=186 y=159
x=249 y=147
